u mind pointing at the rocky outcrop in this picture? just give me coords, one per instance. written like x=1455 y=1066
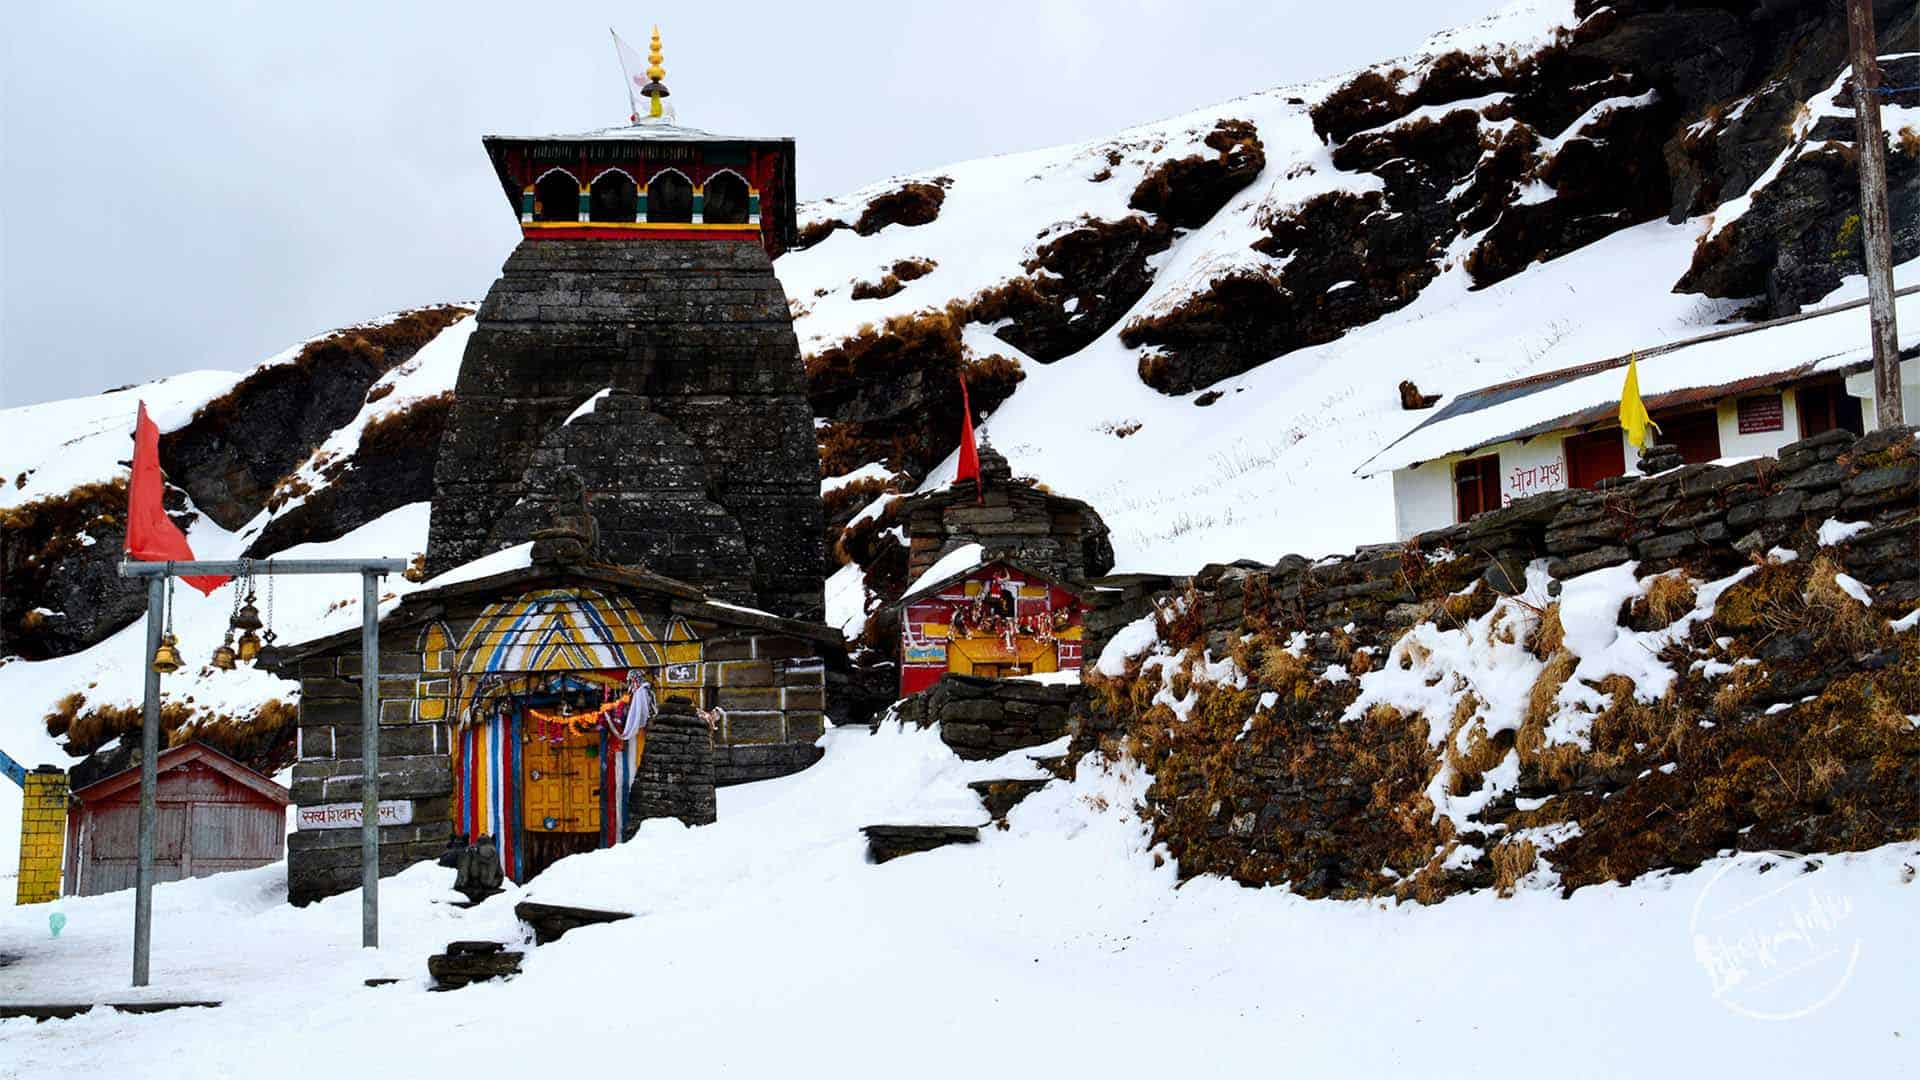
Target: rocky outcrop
x=1077 y=285
x=1801 y=236
x=695 y=333
x=891 y=393
x=233 y=452
x=915 y=202
x=1186 y=192
x=60 y=590
x=391 y=467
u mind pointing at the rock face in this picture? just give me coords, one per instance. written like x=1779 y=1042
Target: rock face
x=703 y=466
x=238 y=446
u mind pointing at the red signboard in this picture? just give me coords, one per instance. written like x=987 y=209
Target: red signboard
x=1760 y=414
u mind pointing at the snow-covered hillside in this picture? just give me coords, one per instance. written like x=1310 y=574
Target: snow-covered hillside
x=1261 y=461
x=767 y=944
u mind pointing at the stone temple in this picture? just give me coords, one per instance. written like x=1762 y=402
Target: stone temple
x=631 y=405
x=638 y=338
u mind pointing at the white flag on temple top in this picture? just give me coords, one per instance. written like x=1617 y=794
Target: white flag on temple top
x=635 y=66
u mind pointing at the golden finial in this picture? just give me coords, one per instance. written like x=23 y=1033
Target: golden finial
x=655 y=89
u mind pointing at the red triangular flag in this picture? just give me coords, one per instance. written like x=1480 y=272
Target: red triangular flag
x=969 y=453
x=151 y=534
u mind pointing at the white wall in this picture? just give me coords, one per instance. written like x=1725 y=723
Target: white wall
x=1423 y=496
x=1734 y=444
x=1861 y=386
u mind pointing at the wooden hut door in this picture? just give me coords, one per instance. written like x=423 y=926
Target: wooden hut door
x=562 y=785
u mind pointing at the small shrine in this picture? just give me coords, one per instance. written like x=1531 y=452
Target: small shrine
x=971 y=614
x=543 y=703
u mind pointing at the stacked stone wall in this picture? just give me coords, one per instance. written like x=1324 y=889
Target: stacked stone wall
x=1706 y=517
x=676 y=777
x=983 y=718
x=1786 y=726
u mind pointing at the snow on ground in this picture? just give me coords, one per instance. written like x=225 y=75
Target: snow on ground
x=765 y=944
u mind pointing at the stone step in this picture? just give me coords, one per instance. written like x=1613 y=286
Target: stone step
x=551 y=922
x=467 y=962
x=886 y=842
x=1001 y=796
x=68 y=1010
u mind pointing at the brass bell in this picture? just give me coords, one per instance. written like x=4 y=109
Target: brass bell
x=247 y=617
x=249 y=645
x=166 y=658
x=223 y=657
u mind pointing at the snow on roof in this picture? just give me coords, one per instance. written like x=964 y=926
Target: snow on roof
x=636 y=132
x=958 y=561
x=1697 y=369
x=517 y=557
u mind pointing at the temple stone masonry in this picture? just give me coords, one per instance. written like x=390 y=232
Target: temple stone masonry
x=699 y=460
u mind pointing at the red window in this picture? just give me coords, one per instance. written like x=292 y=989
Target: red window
x=1697 y=434
x=1593 y=456
x=1476 y=486
x=1826 y=406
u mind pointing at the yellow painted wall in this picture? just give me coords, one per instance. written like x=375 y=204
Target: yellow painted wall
x=43 y=837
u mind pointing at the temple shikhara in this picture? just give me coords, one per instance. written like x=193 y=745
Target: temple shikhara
x=626 y=526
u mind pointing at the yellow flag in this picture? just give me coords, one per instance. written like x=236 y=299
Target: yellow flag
x=1633 y=411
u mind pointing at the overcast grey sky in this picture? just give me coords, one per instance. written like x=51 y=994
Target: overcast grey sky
x=187 y=185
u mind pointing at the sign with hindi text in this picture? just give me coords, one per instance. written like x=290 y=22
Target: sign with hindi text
x=347 y=815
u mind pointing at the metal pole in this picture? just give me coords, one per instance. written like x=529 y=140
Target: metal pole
x=370 y=759
x=149 y=751
x=1876 y=231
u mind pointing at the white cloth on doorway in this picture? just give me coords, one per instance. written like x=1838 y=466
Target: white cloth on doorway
x=639 y=711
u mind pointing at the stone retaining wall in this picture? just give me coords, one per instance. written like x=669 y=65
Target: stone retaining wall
x=984 y=718
x=1706 y=516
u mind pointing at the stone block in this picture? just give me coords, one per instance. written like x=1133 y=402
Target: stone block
x=755 y=727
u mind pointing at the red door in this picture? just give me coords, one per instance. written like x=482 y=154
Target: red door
x=1697 y=434
x=1476 y=486
x=1593 y=456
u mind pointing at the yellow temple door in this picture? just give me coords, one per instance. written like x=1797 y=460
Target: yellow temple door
x=561 y=796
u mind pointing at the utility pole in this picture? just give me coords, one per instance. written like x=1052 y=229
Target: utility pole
x=1876 y=230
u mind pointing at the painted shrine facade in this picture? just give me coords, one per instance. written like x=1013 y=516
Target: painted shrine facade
x=997 y=619
x=517 y=707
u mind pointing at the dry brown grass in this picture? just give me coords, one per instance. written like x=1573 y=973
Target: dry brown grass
x=1283 y=672
x=877 y=290
x=1668 y=597
x=1512 y=860
x=1556 y=760
x=1836 y=612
